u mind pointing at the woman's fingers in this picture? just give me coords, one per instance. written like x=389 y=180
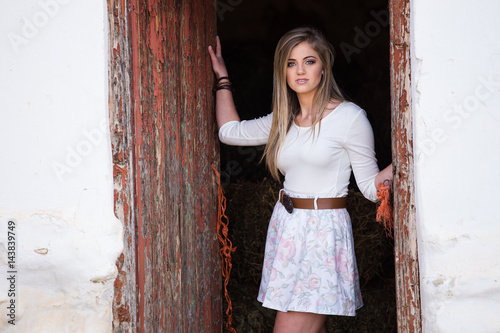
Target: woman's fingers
x=217 y=54
x=217 y=62
x=212 y=54
x=219 y=49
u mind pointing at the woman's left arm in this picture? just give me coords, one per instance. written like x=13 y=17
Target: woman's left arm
x=360 y=145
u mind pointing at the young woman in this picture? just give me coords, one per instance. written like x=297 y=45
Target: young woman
x=314 y=137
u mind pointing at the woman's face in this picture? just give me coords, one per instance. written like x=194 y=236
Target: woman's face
x=304 y=69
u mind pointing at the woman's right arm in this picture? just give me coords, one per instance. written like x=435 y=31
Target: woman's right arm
x=225 y=109
x=235 y=132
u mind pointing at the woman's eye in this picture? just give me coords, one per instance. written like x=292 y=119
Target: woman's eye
x=310 y=62
x=290 y=64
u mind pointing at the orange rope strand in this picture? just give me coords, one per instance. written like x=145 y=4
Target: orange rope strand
x=385 y=214
x=226 y=249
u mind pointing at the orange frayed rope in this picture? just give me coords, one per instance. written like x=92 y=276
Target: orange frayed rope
x=385 y=214
x=225 y=251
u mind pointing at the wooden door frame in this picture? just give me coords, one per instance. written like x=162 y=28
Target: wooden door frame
x=125 y=303
x=125 y=309
x=164 y=144
x=405 y=232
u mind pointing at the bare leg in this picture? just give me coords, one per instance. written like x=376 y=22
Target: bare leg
x=299 y=322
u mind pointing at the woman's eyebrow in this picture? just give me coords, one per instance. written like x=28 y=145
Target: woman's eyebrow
x=304 y=58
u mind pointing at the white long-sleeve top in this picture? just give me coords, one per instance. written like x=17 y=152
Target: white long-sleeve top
x=319 y=166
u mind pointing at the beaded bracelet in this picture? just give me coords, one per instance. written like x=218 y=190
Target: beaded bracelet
x=225 y=83
x=221 y=78
x=224 y=87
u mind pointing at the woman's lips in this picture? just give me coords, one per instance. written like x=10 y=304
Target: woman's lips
x=301 y=81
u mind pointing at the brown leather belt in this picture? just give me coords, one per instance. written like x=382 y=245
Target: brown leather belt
x=308 y=203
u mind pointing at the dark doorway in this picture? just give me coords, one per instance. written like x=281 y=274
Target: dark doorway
x=359 y=31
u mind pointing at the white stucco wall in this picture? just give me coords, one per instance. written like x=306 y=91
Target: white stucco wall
x=456 y=105
x=55 y=167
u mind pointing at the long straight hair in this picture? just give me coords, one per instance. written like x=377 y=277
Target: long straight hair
x=285 y=102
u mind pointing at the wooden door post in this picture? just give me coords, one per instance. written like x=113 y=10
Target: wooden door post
x=405 y=233
x=120 y=114
x=164 y=144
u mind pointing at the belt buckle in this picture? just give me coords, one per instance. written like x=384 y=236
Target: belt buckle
x=287 y=202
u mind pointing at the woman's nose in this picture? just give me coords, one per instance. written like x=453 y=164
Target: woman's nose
x=300 y=69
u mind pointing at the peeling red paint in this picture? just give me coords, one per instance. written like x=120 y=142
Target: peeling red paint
x=123 y=314
x=125 y=297
x=173 y=147
x=407 y=274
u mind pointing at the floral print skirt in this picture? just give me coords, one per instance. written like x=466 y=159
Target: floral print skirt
x=309 y=263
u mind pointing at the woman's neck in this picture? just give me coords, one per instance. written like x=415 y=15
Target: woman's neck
x=307 y=115
x=306 y=106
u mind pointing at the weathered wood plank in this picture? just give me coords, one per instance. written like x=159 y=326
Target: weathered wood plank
x=405 y=234
x=175 y=145
x=120 y=113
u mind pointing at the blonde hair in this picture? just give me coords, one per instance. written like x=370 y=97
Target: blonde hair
x=285 y=102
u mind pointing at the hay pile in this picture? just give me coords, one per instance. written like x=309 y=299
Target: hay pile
x=249 y=207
